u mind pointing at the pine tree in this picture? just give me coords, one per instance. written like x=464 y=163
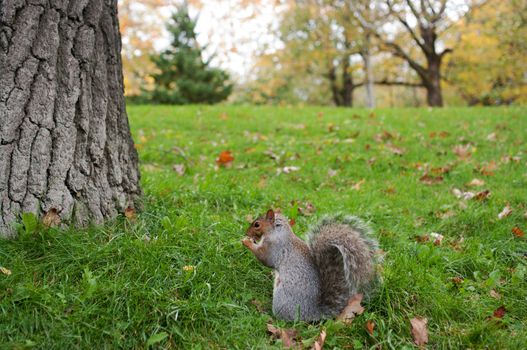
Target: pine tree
x=184 y=77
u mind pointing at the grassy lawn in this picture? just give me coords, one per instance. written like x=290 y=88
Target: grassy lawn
x=178 y=274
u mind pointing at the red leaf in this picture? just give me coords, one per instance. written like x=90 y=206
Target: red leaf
x=225 y=158
x=499 y=312
x=517 y=231
x=370 y=326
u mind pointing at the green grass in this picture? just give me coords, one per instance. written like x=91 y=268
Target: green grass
x=180 y=272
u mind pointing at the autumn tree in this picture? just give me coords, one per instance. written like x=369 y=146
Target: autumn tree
x=423 y=23
x=66 y=153
x=184 y=77
x=488 y=66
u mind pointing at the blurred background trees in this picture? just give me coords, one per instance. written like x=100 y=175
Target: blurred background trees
x=331 y=52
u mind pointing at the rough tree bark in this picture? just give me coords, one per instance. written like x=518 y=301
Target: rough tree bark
x=65 y=142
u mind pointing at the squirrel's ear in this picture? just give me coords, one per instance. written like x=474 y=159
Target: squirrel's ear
x=270 y=215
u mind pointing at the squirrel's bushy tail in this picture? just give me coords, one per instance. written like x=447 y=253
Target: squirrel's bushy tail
x=345 y=254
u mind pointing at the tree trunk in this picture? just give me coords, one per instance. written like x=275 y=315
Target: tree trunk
x=434 y=96
x=65 y=142
x=347 y=83
x=366 y=56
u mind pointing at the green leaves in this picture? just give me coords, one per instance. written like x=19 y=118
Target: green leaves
x=156 y=338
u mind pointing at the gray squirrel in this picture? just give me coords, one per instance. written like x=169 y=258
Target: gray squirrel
x=314 y=280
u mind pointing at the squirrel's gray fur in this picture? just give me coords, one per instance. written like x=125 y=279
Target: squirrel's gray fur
x=316 y=280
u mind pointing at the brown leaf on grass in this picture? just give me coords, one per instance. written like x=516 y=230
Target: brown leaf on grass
x=463 y=151
x=287 y=169
x=5 y=271
x=441 y=170
x=457 y=280
x=463 y=195
x=437 y=237
x=475 y=183
x=395 y=149
x=307 y=210
x=430 y=180
x=491 y=137
x=179 y=169
x=422 y=238
x=319 y=343
x=384 y=136
x=445 y=214
x=357 y=185
x=419 y=330
x=225 y=159
x=271 y=154
x=130 y=213
x=495 y=294
x=505 y=212
x=351 y=310
x=482 y=196
x=292 y=222
x=224 y=116
x=517 y=232
x=288 y=336
x=51 y=218
x=488 y=169
x=370 y=326
x=332 y=172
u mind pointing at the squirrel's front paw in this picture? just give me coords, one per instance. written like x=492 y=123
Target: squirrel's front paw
x=247 y=242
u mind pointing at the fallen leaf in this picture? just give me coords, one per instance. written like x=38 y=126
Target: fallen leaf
x=271 y=154
x=130 y=213
x=351 y=310
x=308 y=210
x=419 y=330
x=357 y=186
x=395 y=150
x=319 y=344
x=370 y=326
x=430 y=180
x=457 y=280
x=422 y=239
x=224 y=116
x=463 y=195
x=288 y=169
x=437 y=237
x=188 y=268
x=441 y=170
x=51 y=218
x=225 y=159
x=491 y=137
x=463 y=151
x=495 y=294
x=476 y=183
x=385 y=135
x=482 y=196
x=505 y=212
x=446 y=214
x=332 y=172
x=499 y=312
x=517 y=232
x=179 y=169
x=288 y=336
x=5 y=271
x=488 y=169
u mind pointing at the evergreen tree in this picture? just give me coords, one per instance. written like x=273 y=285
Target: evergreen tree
x=184 y=77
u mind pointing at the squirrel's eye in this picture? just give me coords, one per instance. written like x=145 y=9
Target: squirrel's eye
x=256 y=224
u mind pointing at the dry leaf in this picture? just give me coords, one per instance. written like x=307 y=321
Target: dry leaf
x=130 y=213
x=517 y=232
x=437 y=237
x=179 y=169
x=445 y=215
x=488 y=169
x=395 y=150
x=51 y=218
x=332 y=173
x=419 y=330
x=258 y=304
x=288 y=169
x=319 y=344
x=430 y=180
x=457 y=280
x=271 y=154
x=505 y=212
x=476 y=183
x=224 y=116
x=357 y=186
x=288 y=336
x=370 y=326
x=225 y=159
x=463 y=151
x=491 y=137
x=482 y=196
x=495 y=294
x=5 y=271
x=188 y=268
x=351 y=310
x=463 y=195
x=292 y=222
x=441 y=170
x=385 y=135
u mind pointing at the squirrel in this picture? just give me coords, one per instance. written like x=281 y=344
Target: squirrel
x=314 y=280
